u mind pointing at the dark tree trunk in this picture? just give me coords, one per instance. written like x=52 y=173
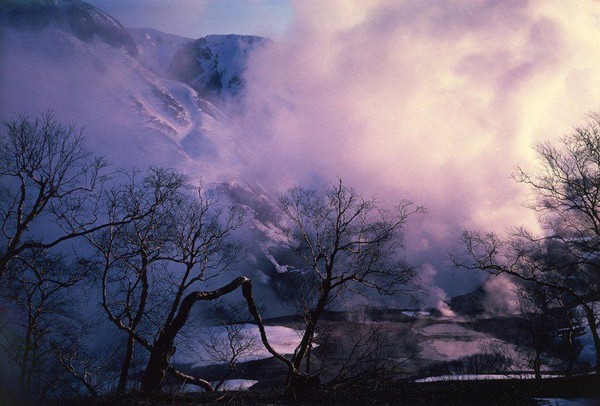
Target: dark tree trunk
x=537 y=365
x=308 y=351
x=311 y=325
x=163 y=348
x=298 y=385
x=3 y=264
x=122 y=386
x=571 y=346
x=302 y=386
x=12 y=250
x=27 y=362
x=230 y=370
x=157 y=364
x=591 y=319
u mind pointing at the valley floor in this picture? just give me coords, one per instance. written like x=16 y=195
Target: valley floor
x=580 y=391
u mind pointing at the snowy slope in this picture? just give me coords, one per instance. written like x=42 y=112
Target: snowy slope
x=84 y=65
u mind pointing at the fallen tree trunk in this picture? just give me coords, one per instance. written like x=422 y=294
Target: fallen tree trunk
x=163 y=348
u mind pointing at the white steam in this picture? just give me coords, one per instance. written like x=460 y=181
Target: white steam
x=436 y=296
x=500 y=296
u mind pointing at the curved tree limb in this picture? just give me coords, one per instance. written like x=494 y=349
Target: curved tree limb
x=163 y=347
x=185 y=378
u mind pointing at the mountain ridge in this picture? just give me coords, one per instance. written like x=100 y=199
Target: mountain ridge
x=82 y=19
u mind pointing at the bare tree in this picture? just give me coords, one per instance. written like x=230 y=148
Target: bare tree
x=202 y=249
x=554 y=320
x=535 y=303
x=566 y=189
x=163 y=347
x=46 y=174
x=37 y=288
x=152 y=266
x=345 y=242
x=83 y=364
x=297 y=291
x=48 y=177
x=565 y=258
x=129 y=253
x=566 y=196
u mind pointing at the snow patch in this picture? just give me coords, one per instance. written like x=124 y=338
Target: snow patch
x=416 y=313
x=478 y=377
x=283 y=339
x=228 y=385
x=237 y=384
x=451 y=341
x=564 y=402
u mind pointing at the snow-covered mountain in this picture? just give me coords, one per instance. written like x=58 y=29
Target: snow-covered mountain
x=213 y=65
x=68 y=56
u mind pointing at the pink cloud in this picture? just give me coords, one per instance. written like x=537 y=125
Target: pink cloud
x=434 y=101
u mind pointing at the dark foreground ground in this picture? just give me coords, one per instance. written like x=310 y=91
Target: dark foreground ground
x=492 y=392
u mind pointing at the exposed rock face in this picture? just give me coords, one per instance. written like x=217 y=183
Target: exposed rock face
x=214 y=65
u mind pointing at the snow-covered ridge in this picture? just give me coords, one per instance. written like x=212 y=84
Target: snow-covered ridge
x=85 y=21
x=68 y=56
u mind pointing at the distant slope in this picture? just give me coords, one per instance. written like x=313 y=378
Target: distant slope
x=472 y=303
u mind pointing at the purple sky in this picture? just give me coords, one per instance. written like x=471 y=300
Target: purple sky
x=196 y=18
